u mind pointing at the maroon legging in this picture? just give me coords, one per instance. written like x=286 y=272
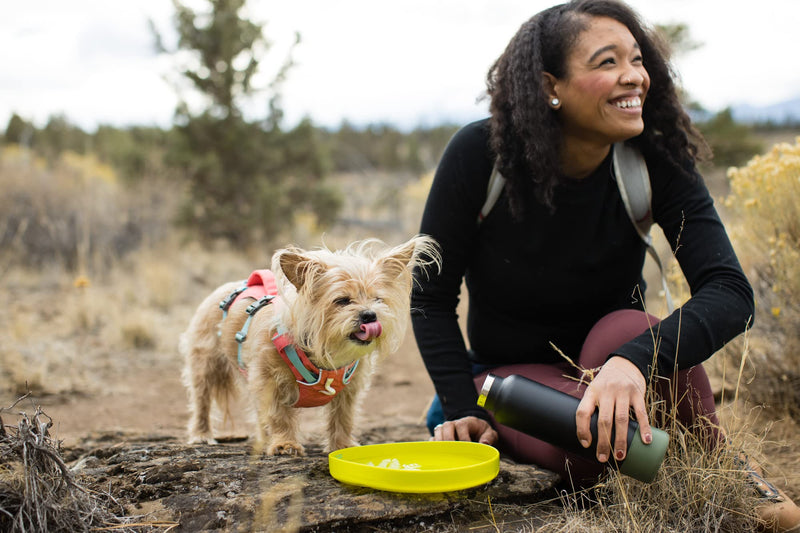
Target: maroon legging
x=694 y=408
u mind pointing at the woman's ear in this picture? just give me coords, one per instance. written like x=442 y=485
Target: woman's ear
x=550 y=86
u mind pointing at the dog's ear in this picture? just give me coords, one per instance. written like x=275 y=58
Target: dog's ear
x=420 y=251
x=299 y=269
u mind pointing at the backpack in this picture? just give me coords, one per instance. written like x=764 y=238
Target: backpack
x=633 y=182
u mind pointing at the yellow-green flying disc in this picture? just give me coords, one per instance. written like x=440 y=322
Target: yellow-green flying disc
x=418 y=467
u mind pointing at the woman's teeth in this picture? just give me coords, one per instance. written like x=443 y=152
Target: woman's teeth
x=634 y=102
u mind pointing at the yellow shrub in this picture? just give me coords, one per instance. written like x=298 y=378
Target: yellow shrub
x=765 y=195
x=765 y=202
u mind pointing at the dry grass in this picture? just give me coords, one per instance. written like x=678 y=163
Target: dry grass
x=38 y=492
x=765 y=203
x=134 y=305
x=75 y=213
x=696 y=490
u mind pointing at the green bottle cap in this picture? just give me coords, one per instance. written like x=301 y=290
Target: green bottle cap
x=644 y=460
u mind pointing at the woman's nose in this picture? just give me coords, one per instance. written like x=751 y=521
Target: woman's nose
x=631 y=76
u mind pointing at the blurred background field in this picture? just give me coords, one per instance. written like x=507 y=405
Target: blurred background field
x=109 y=239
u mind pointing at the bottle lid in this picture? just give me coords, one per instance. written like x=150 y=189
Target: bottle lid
x=487 y=386
x=644 y=460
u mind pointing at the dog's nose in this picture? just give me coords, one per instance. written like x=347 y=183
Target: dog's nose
x=367 y=316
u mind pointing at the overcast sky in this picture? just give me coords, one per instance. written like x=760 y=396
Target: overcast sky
x=411 y=62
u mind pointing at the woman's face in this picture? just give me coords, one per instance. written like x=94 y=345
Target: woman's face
x=605 y=85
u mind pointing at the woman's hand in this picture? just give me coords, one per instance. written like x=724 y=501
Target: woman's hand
x=469 y=428
x=617 y=387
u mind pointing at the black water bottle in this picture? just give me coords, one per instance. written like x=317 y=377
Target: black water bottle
x=549 y=415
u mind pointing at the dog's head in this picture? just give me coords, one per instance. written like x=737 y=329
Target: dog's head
x=343 y=305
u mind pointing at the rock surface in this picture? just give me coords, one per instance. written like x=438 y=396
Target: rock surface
x=226 y=488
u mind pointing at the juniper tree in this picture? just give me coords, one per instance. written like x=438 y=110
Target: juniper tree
x=247 y=175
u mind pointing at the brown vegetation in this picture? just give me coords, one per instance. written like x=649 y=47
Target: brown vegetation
x=97 y=295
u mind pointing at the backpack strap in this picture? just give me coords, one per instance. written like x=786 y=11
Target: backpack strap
x=633 y=181
x=493 y=190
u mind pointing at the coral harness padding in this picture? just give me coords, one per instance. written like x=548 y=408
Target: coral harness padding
x=318 y=386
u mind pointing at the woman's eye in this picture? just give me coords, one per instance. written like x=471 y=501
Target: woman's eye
x=638 y=59
x=608 y=61
x=342 y=301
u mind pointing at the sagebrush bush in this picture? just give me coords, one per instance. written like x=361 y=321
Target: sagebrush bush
x=73 y=213
x=765 y=200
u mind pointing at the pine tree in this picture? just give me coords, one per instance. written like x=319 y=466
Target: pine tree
x=248 y=177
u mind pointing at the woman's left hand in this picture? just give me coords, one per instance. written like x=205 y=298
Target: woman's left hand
x=617 y=387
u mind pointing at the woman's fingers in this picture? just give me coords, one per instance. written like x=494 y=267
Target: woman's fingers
x=583 y=419
x=645 y=432
x=605 y=424
x=621 y=418
x=469 y=428
x=616 y=388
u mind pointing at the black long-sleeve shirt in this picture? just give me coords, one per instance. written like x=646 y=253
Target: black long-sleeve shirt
x=551 y=276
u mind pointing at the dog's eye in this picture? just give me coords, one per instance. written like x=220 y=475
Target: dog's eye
x=344 y=300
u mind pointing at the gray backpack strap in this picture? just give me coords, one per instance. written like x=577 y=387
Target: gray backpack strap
x=633 y=180
x=493 y=190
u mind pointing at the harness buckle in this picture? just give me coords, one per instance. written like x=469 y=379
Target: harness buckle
x=228 y=300
x=255 y=306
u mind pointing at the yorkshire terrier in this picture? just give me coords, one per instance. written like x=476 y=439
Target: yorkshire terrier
x=306 y=333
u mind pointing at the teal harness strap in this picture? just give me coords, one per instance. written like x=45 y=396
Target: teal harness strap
x=241 y=335
x=349 y=373
x=297 y=363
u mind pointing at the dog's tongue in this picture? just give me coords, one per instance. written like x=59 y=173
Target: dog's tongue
x=369 y=331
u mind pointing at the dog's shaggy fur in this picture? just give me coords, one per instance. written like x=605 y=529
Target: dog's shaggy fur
x=324 y=298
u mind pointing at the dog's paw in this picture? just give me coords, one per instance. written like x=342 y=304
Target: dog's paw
x=286 y=448
x=202 y=439
x=342 y=443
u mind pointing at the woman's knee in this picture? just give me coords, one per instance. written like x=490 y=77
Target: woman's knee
x=611 y=332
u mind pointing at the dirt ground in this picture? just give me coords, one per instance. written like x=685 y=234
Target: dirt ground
x=145 y=396
x=91 y=373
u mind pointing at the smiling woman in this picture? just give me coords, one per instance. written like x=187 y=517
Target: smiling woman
x=557 y=262
x=600 y=100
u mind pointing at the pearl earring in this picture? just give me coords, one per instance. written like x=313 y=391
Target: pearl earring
x=554 y=102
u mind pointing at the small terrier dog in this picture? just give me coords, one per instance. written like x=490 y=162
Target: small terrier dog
x=305 y=334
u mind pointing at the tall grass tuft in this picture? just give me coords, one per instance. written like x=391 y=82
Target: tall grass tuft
x=697 y=490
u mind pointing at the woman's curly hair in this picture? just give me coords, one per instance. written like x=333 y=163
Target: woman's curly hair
x=525 y=131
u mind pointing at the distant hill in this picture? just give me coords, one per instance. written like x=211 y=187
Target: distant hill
x=787 y=112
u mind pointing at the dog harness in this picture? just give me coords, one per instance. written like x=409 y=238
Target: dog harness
x=317 y=386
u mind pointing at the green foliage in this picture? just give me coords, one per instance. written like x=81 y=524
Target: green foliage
x=59 y=135
x=678 y=38
x=19 y=131
x=134 y=152
x=385 y=147
x=247 y=178
x=733 y=144
x=227 y=47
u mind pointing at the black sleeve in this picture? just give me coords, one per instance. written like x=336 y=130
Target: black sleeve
x=456 y=196
x=721 y=304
